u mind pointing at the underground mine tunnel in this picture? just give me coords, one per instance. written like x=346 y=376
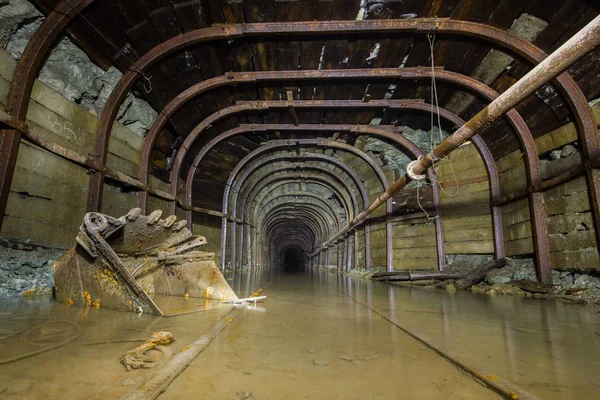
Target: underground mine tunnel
x=290 y=199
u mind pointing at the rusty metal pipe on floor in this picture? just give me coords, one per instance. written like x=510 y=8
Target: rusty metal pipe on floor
x=575 y=48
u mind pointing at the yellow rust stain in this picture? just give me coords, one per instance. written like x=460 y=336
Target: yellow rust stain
x=230 y=320
x=96 y=304
x=491 y=377
x=514 y=396
x=28 y=293
x=68 y=301
x=88 y=298
x=54 y=266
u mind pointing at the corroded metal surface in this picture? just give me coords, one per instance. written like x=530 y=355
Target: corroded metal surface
x=327 y=143
x=270 y=158
x=119 y=263
x=20 y=91
x=383 y=132
x=575 y=48
x=306 y=28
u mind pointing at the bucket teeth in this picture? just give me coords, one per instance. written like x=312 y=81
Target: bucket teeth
x=169 y=221
x=163 y=253
x=133 y=214
x=179 y=225
x=154 y=217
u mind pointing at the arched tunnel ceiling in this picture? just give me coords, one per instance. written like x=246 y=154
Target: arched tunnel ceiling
x=278 y=70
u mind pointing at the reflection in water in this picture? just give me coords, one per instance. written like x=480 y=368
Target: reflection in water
x=309 y=339
x=549 y=348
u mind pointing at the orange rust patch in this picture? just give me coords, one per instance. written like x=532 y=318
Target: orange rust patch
x=28 y=293
x=88 y=298
x=96 y=304
x=69 y=301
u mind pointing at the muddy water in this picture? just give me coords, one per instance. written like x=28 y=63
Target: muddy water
x=549 y=348
x=316 y=336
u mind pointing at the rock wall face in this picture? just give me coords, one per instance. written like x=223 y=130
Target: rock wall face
x=26 y=269
x=68 y=70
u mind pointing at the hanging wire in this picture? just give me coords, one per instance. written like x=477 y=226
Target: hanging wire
x=435 y=99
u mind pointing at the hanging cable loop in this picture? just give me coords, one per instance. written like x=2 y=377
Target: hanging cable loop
x=410 y=170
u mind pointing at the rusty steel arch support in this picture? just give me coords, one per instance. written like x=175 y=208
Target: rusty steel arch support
x=424 y=25
x=378 y=172
x=368 y=129
x=247 y=172
x=311 y=226
x=343 y=191
x=313 y=216
x=26 y=71
x=284 y=238
x=292 y=207
x=585 y=122
x=526 y=139
x=573 y=50
x=310 y=219
x=326 y=214
x=281 y=218
x=360 y=189
x=274 y=181
x=412 y=73
x=317 y=199
x=339 y=164
x=301 y=235
x=307 y=217
x=532 y=161
x=468 y=83
x=367 y=229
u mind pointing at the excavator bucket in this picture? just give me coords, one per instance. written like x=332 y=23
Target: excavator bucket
x=122 y=263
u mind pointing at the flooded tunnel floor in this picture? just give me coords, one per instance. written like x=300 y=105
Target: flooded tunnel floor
x=316 y=336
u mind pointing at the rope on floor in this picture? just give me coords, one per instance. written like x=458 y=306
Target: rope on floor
x=158 y=383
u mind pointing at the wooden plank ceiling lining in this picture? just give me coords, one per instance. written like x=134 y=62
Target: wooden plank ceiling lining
x=136 y=26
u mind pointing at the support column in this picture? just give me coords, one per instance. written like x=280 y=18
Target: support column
x=389 y=244
x=350 y=252
x=540 y=238
x=223 y=242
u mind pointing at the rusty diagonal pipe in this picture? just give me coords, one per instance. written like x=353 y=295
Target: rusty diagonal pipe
x=575 y=48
